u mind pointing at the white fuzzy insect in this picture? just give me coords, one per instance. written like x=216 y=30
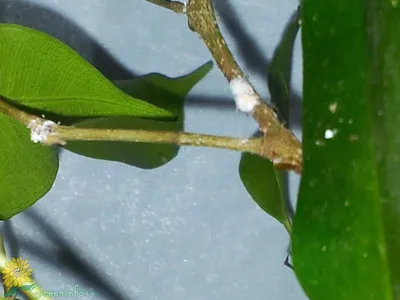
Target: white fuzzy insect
x=244 y=94
x=40 y=130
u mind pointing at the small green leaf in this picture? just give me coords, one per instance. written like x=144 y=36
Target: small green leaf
x=162 y=91
x=39 y=72
x=159 y=90
x=279 y=71
x=346 y=235
x=262 y=182
x=27 y=170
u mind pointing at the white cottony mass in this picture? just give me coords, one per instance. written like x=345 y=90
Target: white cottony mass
x=40 y=130
x=244 y=95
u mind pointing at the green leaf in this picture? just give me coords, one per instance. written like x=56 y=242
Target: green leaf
x=262 y=182
x=279 y=71
x=165 y=92
x=168 y=93
x=39 y=72
x=346 y=239
x=27 y=170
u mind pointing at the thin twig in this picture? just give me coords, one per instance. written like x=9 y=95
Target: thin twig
x=15 y=113
x=58 y=134
x=66 y=133
x=268 y=146
x=176 y=6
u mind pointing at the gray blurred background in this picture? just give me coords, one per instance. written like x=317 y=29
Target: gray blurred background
x=187 y=230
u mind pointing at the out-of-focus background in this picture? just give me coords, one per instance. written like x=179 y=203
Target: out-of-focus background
x=189 y=229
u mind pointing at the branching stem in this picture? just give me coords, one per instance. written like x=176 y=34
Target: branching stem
x=283 y=148
x=61 y=134
x=277 y=144
x=269 y=146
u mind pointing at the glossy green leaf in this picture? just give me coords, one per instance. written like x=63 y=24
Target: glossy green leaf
x=168 y=93
x=262 y=182
x=27 y=170
x=346 y=239
x=39 y=72
x=279 y=71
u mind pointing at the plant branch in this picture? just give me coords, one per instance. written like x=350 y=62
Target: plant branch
x=270 y=146
x=58 y=134
x=49 y=133
x=176 y=6
x=201 y=19
x=66 y=133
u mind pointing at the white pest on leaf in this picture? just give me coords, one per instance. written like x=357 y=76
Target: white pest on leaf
x=244 y=95
x=40 y=130
x=333 y=107
x=330 y=133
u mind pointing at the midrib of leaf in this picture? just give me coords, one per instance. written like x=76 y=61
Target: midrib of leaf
x=37 y=100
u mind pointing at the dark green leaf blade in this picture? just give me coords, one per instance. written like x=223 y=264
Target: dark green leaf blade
x=39 y=72
x=27 y=170
x=346 y=239
x=280 y=68
x=168 y=93
x=162 y=91
x=262 y=182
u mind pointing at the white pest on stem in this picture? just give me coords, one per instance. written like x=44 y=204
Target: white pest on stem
x=244 y=94
x=40 y=130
